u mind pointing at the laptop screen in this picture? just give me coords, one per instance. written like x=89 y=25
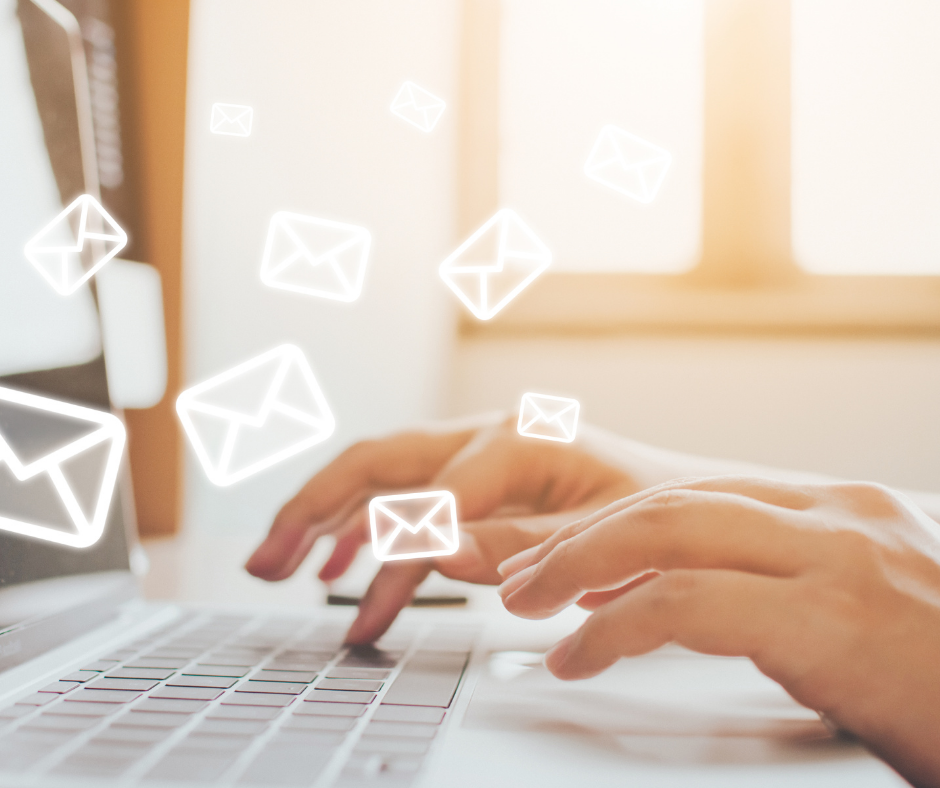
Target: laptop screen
x=50 y=351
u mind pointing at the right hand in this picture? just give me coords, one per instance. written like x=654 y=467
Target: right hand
x=490 y=469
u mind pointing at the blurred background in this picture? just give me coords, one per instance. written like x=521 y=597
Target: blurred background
x=779 y=300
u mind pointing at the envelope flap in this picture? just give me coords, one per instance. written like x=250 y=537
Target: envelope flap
x=84 y=472
x=241 y=393
x=480 y=253
x=61 y=233
x=300 y=392
x=319 y=239
x=32 y=434
x=519 y=241
x=233 y=112
x=550 y=409
x=424 y=100
x=414 y=513
x=634 y=151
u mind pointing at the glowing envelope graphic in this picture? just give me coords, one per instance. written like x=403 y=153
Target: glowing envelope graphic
x=628 y=164
x=231 y=119
x=74 y=246
x=549 y=418
x=418 y=107
x=495 y=264
x=317 y=257
x=255 y=415
x=413 y=525
x=58 y=468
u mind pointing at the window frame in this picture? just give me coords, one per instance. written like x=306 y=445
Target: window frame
x=746 y=279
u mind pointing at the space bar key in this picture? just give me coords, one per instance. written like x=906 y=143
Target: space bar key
x=429 y=678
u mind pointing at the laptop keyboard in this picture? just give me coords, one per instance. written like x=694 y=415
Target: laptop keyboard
x=219 y=699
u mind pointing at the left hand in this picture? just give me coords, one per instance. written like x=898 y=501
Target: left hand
x=832 y=590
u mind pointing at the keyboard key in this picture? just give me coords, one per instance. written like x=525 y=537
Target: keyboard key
x=390 y=713
x=331 y=709
x=53 y=722
x=256 y=699
x=119 y=733
x=370 y=657
x=176 y=653
x=90 y=768
x=199 y=740
x=80 y=676
x=143 y=719
x=37 y=699
x=277 y=687
x=429 y=678
x=172 y=706
x=219 y=682
x=100 y=666
x=75 y=708
x=279 y=765
x=151 y=661
x=359 y=673
x=294 y=665
x=188 y=693
x=188 y=765
x=235 y=660
x=359 y=685
x=305 y=738
x=233 y=727
x=340 y=696
x=103 y=696
x=141 y=685
x=409 y=730
x=318 y=723
x=392 y=744
x=304 y=677
x=156 y=674
x=245 y=712
x=232 y=671
x=61 y=687
x=15 y=712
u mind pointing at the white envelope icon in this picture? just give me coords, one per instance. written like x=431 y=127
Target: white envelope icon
x=74 y=246
x=315 y=257
x=628 y=164
x=495 y=264
x=255 y=415
x=418 y=107
x=549 y=418
x=58 y=468
x=231 y=119
x=413 y=525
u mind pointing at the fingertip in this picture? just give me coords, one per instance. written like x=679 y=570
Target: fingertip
x=518 y=562
x=514 y=583
x=556 y=657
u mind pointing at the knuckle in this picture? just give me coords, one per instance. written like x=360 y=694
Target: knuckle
x=870 y=499
x=673 y=589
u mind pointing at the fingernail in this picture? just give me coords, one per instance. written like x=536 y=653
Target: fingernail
x=516 y=582
x=517 y=562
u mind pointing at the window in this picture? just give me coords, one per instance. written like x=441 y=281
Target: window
x=803 y=191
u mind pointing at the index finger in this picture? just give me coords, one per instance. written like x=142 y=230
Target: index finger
x=405 y=460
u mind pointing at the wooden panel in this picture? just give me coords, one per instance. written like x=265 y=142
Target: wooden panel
x=152 y=45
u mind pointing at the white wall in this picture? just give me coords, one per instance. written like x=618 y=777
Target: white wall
x=320 y=76
x=865 y=409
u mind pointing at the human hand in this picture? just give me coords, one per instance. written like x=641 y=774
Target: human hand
x=488 y=467
x=832 y=590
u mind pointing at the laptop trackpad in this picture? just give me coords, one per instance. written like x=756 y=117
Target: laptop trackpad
x=668 y=716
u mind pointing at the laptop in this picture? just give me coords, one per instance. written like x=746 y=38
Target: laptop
x=100 y=687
